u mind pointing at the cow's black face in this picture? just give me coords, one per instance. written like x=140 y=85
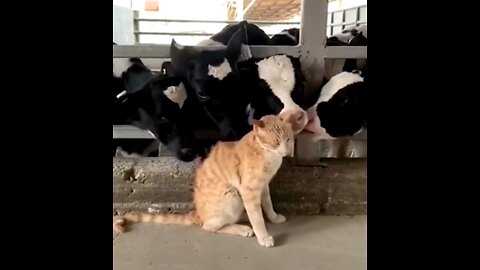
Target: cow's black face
x=204 y=67
x=341 y=109
x=345 y=113
x=151 y=109
x=212 y=77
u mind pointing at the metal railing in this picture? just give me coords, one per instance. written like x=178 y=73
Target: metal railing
x=331 y=25
x=360 y=17
x=311 y=50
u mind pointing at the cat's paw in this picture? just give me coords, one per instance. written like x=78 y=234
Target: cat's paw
x=278 y=219
x=247 y=231
x=266 y=241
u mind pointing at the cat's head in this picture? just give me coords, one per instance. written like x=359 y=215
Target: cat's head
x=275 y=134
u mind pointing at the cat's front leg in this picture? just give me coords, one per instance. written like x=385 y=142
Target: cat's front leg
x=252 y=200
x=268 y=207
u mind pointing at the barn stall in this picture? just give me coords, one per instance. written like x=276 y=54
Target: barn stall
x=326 y=177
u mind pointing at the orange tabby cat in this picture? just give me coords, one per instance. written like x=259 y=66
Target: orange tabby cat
x=234 y=178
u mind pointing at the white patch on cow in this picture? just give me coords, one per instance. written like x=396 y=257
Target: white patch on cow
x=245 y=53
x=279 y=74
x=344 y=37
x=286 y=33
x=177 y=94
x=336 y=83
x=120 y=65
x=221 y=71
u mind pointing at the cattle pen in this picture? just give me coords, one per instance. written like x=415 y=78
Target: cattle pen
x=330 y=175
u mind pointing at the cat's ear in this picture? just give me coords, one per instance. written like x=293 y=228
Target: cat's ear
x=258 y=123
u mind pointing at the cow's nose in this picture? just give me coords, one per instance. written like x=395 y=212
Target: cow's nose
x=298 y=119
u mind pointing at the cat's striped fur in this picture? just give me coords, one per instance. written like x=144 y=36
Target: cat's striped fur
x=232 y=179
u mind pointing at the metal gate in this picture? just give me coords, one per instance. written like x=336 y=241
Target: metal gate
x=312 y=51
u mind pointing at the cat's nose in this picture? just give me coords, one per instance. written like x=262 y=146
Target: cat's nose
x=297 y=118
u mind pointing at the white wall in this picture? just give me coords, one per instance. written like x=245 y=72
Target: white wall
x=345 y=4
x=122 y=3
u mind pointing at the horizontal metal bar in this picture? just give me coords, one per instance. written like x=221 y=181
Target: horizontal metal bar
x=173 y=33
x=211 y=21
x=142 y=51
x=346 y=23
x=347 y=9
x=163 y=51
x=179 y=33
x=340 y=52
x=131 y=132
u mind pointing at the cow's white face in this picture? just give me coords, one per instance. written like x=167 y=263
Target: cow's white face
x=278 y=72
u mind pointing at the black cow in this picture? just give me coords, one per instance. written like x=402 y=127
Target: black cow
x=288 y=37
x=253 y=35
x=356 y=36
x=157 y=104
x=211 y=75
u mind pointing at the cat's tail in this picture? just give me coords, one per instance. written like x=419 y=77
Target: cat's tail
x=185 y=219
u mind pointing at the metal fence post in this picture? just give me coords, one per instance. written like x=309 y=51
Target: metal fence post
x=136 y=26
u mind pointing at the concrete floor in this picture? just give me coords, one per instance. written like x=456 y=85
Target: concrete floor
x=313 y=242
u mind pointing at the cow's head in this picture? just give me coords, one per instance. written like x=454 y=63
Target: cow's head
x=341 y=109
x=156 y=105
x=211 y=75
x=280 y=90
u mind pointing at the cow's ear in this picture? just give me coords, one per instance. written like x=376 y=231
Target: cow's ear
x=137 y=76
x=180 y=57
x=234 y=45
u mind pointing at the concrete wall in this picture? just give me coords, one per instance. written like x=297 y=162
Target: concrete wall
x=164 y=185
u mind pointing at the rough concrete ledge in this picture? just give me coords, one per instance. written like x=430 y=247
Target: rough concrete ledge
x=339 y=187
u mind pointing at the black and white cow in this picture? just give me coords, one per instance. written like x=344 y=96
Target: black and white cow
x=157 y=104
x=212 y=76
x=356 y=36
x=341 y=109
x=126 y=82
x=359 y=39
x=228 y=86
x=288 y=37
x=277 y=87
